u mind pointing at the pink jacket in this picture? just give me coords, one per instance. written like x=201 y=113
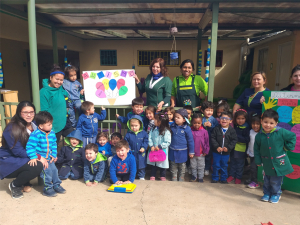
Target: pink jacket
x=201 y=141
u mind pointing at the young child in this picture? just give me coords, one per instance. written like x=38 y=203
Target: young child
x=123 y=166
x=94 y=166
x=223 y=140
x=170 y=111
x=104 y=146
x=88 y=122
x=270 y=148
x=189 y=110
x=150 y=113
x=222 y=106
x=42 y=145
x=114 y=139
x=160 y=138
x=137 y=109
x=182 y=144
x=255 y=123
x=71 y=157
x=74 y=89
x=137 y=139
x=238 y=156
x=209 y=123
x=201 y=142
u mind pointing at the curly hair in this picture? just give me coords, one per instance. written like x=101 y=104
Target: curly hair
x=162 y=64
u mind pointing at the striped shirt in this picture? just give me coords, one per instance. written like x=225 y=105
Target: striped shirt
x=41 y=143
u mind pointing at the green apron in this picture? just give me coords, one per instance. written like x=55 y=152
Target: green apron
x=186 y=95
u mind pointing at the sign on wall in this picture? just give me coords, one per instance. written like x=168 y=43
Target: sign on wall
x=109 y=87
x=287 y=105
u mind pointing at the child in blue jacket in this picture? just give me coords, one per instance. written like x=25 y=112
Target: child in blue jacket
x=88 y=122
x=182 y=144
x=123 y=166
x=70 y=158
x=104 y=146
x=74 y=89
x=137 y=139
x=94 y=166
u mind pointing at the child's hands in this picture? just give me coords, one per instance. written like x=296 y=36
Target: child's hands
x=82 y=91
x=94 y=184
x=156 y=148
x=207 y=124
x=103 y=152
x=102 y=108
x=127 y=182
x=152 y=148
x=142 y=150
x=53 y=159
x=33 y=162
x=225 y=149
x=204 y=154
x=119 y=182
x=44 y=162
x=89 y=184
x=219 y=149
x=117 y=115
x=191 y=155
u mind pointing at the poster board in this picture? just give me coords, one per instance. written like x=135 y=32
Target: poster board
x=287 y=104
x=109 y=87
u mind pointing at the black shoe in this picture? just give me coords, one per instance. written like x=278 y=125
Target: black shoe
x=214 y=181
x=16 y=192
x=247 y=182
x=200 y=180
x=223 y=182
x=193 y=179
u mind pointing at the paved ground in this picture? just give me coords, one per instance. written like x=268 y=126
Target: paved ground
x=153 y=202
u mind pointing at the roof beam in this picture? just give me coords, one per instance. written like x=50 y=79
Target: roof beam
x=233 y=33
x=142 y=33
x=116 y=34
x=206 y=18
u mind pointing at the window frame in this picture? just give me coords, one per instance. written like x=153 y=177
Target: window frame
x=111 y=50
x=221 y=60
x=138 y=60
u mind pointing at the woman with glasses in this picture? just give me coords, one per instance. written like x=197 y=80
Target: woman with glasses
x=13 y=157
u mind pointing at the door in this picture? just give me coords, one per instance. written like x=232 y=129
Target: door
x=283 y=66
x=263 y=60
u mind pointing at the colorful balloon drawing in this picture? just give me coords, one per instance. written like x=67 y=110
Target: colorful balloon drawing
x=100 y=93
x=120 y=83
x=123 y=90
x=105 y=83
x=112 y=84
x=100 y=85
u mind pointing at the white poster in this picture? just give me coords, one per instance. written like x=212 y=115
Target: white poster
x=109 y=87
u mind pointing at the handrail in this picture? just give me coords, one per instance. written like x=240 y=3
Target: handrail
x=2 y=112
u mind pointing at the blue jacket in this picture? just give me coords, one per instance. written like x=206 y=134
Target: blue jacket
x=41 y=143
x=97 y=169
x=88 y=125
x=182 y=143
x=71 y=158
x=131 y=114
x=106 y=148
x=243 y=139
x=136 y=141
x=11 y=158
x=73 y=88
x=214 y=122
x=119 y=167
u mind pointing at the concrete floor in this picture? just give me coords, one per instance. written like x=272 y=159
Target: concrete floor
x=153 y=202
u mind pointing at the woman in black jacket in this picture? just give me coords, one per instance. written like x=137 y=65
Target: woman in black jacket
x=295 y=76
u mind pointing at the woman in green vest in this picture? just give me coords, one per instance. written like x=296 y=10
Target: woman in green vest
x=186 y=88
x=158 y=85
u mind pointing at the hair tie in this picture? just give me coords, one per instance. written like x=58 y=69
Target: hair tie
x=57 y=72
x=255 y=114
x=242 y=110
x=69 y=64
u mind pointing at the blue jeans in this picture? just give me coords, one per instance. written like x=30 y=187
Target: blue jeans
x=141 y=173
x=272 y=185
x=220 y=163
x=50 y=176
x=88 y=140
x=236 y=167
x=74 y=105
x=69 y=175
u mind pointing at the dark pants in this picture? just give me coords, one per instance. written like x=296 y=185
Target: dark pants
x=154 y=169
x=220 y=163
x=236 y=167
x=122 y=177
x=272 y=185
x=208 y=159
x=25 y=174
x=141 y=173
x=64 y=132
x=253 y=170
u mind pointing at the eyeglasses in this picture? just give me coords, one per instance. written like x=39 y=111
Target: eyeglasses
x=225 y=118
x=28 y=113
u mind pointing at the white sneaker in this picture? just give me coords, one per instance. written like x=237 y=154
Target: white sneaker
x=206 y=172
x=142 y=178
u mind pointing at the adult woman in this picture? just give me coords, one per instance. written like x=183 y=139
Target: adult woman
x=250 y=98
x=14 y=162
x=295 y=76
x=157 y=85
x=186 y=88
x=53 y=100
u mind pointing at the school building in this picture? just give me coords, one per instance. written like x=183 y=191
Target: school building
x=118 y=34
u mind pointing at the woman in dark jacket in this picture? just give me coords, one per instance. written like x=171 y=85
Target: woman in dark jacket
x=14 y=162
x=295 y=77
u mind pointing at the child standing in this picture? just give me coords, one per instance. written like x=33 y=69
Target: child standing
x=189 y=110
x=160 y=138
x=182 y=145
x=71 y=157
x=88 y=122
x=150 y=113
x=255 y=123
x=237 y=159
x=209 y=123
x=42 y=145
x=74 y=89
x=137 y=139
x=223 y=140
x=270 y=148
x=201 y=141
x=123 y=166
x=104 y=146
x=222 y=106
x=170 y=112
x=94 y=166
x=114 y=139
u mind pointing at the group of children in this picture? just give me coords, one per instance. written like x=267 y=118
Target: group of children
x=196 y=141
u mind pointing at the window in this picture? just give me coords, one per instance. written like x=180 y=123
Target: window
x=145 y=57
x=108 y=57
x=219 y=58
x=262 y=60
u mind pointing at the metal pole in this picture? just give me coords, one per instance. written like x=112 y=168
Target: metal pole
x=199 y=51
x=33 y=55
x=54 y=46
x=213 y=55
